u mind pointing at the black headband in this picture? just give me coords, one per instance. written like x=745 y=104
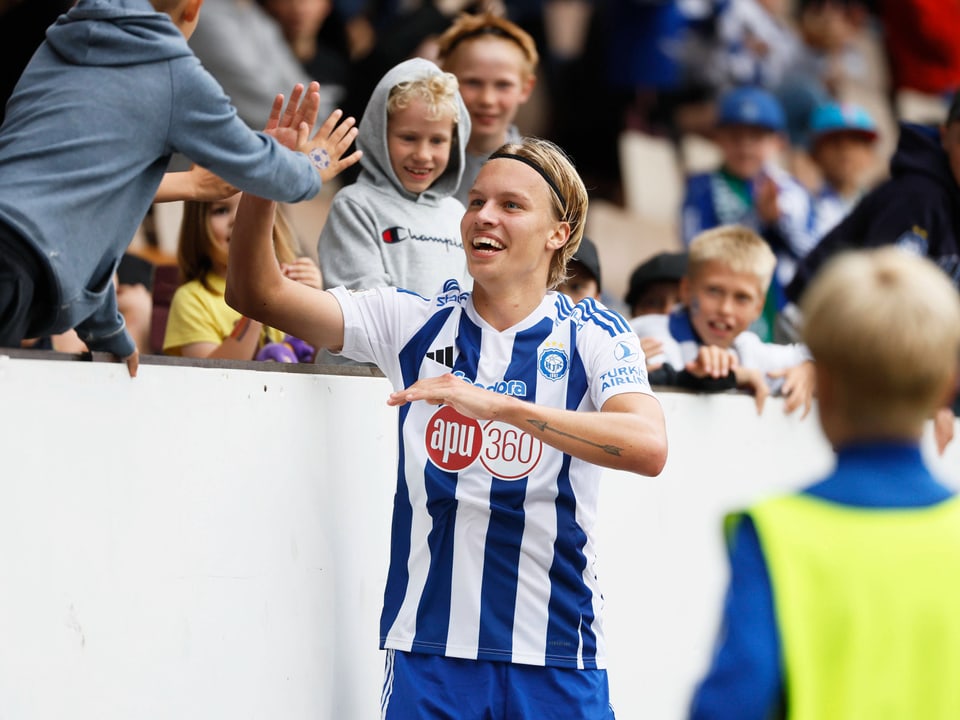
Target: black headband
x=540 y=170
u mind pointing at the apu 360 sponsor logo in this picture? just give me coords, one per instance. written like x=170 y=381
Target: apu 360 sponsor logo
x=454 y=442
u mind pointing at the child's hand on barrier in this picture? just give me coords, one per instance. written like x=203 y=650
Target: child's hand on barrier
x=653 y=352
x=133 y=363
x=752 y=379
x=712 y=361
x=798 y=387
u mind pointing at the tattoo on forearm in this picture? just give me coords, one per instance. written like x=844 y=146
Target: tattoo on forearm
x=544 y=427
x=240 y=329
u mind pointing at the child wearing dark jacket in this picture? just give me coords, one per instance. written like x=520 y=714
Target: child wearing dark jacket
x=917 y=208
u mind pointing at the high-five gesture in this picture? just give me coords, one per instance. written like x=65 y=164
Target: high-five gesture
x=291 y=127
x=284 y=124
x=327 y=147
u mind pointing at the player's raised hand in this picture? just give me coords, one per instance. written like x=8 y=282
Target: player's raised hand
x=326 y=149
x=291 y=126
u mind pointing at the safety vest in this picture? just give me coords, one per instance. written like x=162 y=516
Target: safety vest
x=868 y=607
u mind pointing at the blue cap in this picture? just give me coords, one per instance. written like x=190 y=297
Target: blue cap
x=834 y=117
x=751 y=106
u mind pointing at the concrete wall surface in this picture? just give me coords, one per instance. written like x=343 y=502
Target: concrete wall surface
x=212 y=541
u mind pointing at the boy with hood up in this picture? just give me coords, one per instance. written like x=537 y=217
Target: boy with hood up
x=399 y=224
x=109 y=96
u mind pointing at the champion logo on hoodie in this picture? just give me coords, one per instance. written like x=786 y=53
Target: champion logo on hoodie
x=391 y=236
x=395 y=235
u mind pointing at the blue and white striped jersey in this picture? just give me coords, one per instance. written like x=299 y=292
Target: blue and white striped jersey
x=493 y=553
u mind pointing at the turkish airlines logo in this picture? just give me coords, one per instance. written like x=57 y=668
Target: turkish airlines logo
x=454 y=442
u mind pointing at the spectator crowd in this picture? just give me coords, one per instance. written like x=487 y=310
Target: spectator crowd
x=420 y=116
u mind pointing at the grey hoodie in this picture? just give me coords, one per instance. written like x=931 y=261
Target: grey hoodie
x=110 y=95
x=380 y=235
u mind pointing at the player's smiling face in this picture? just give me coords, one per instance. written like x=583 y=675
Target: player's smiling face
x=419 y=148
x=722 y=303
x=510 y=215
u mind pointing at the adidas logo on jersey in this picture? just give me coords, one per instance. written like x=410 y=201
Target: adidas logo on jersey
x=444 y=356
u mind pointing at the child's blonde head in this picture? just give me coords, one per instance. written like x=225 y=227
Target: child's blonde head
x=569 y=202
x=469 y=27
x=438 y=91
x=884 y=327
x=194 y=247
x=737 y=247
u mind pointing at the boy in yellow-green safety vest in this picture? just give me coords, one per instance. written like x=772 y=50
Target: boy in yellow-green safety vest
x=843 y=597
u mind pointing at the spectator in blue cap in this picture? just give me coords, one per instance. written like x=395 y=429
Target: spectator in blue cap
x=751 y=189
x=843 y=139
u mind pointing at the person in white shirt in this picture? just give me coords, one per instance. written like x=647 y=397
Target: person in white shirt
x=511 y=399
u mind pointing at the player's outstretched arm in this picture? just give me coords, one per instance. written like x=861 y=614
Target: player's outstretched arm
x=258 y=288
x=628 y=433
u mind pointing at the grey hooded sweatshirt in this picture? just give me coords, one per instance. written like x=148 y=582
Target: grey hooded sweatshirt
x=108 y=97
x=380 y=235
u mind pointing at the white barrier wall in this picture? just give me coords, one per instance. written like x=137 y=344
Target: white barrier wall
x=208 y=542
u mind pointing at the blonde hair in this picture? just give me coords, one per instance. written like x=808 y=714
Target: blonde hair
x=738 y=247
x=470 y=27
x=572 y=209
x=886 y=325
x=438 y=91
x=196 y=239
